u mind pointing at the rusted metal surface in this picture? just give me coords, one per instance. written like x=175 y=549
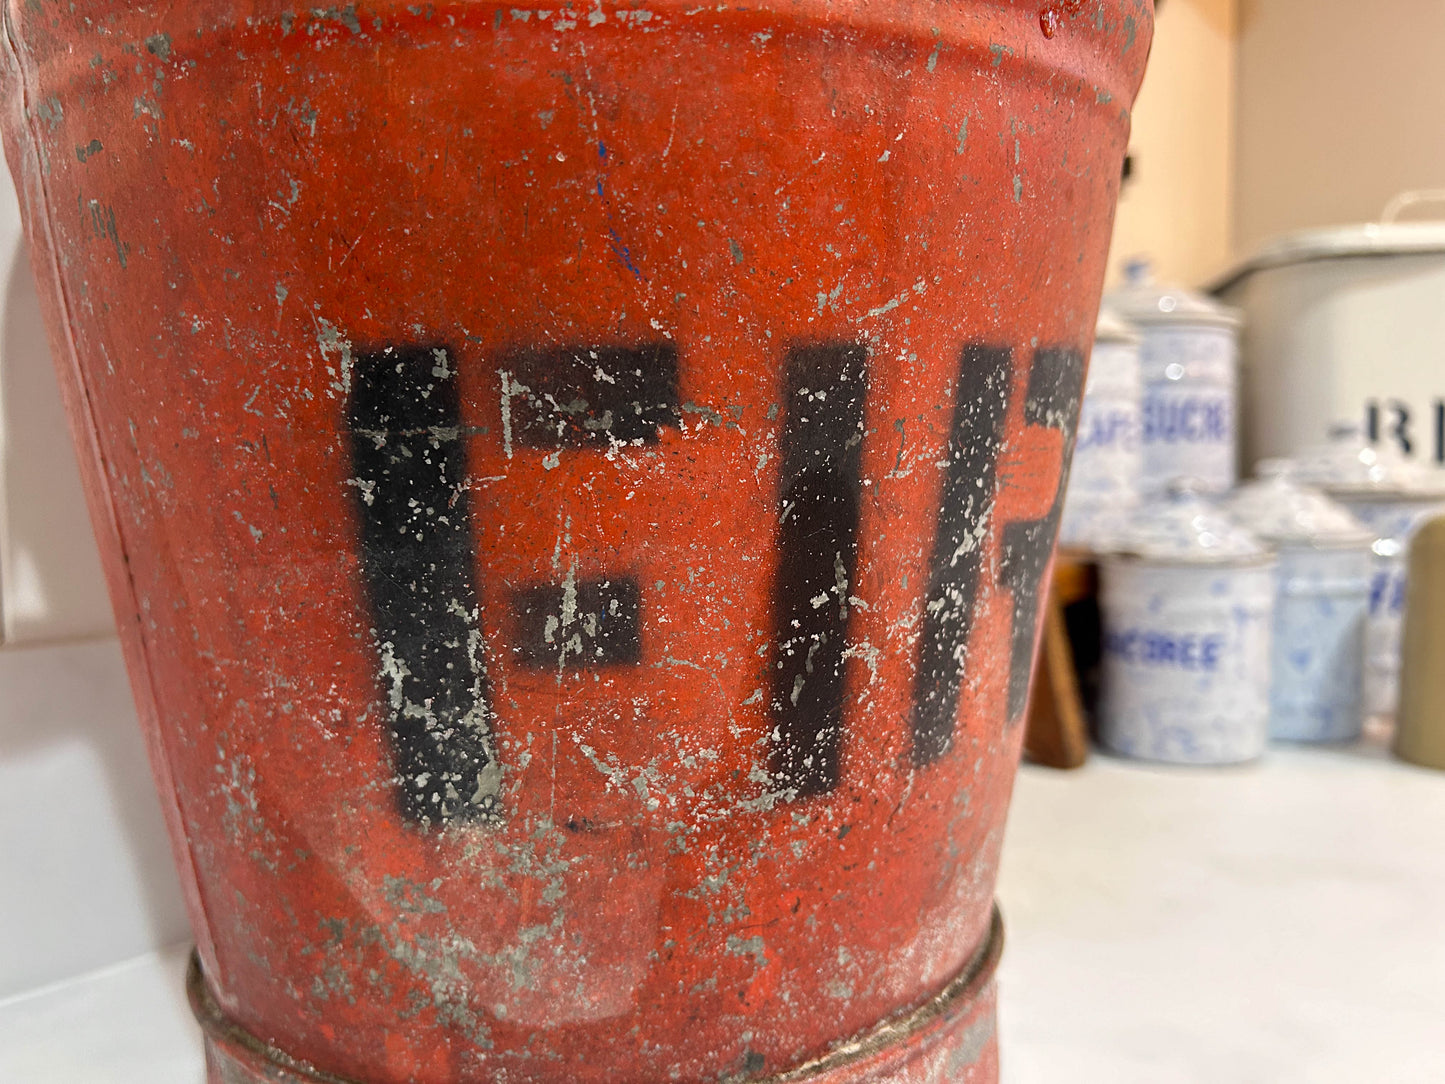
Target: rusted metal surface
x=574 y=485
x=951 y=1037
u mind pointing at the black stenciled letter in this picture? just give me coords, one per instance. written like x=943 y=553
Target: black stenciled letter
x=980 y=405
x=1056 y=386
x=573 y=396
x=578 y=624
x=418 y=561
x=822 y=455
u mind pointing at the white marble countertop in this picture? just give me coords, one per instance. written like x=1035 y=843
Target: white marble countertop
x=1278 y=923
x=1282 y=923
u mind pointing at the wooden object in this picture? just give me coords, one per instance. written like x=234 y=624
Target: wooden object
x=1057 y=731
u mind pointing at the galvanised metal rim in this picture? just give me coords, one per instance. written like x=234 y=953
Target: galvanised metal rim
x=890 y=1035
x=895 y=1033
x=240 y=1043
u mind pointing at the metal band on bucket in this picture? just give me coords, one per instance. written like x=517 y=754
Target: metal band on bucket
x=236 y=1056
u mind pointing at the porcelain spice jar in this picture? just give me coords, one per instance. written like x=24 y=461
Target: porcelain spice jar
x=1189 y=360
x=1392 y=497
x=1187 y=600
x=1321 y=604
x=1104 y=480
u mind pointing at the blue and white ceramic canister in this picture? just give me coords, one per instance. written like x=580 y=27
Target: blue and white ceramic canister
x=1189 y=361
x=1321 y=603
x=1393 y=497
x=1104 y=480
x=1187 y=602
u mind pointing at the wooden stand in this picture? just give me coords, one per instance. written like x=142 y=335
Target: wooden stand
x=1057 y=731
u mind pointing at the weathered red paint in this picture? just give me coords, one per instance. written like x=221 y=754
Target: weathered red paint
x=231 y=203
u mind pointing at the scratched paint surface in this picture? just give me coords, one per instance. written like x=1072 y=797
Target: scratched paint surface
x=575 y=484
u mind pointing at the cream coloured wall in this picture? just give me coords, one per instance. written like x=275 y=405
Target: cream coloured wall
x=1340 y=105
x=1177 y=208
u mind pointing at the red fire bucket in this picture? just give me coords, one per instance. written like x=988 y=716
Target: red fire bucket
x=574 y=484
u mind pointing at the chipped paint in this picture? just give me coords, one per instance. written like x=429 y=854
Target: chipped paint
x=578 y=541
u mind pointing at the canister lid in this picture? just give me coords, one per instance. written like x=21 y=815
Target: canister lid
x=1338 y=243
x=1143 y=301
x=1113 y=328
x=1181 y=527
x=1348 y=465
x=1276 y=508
